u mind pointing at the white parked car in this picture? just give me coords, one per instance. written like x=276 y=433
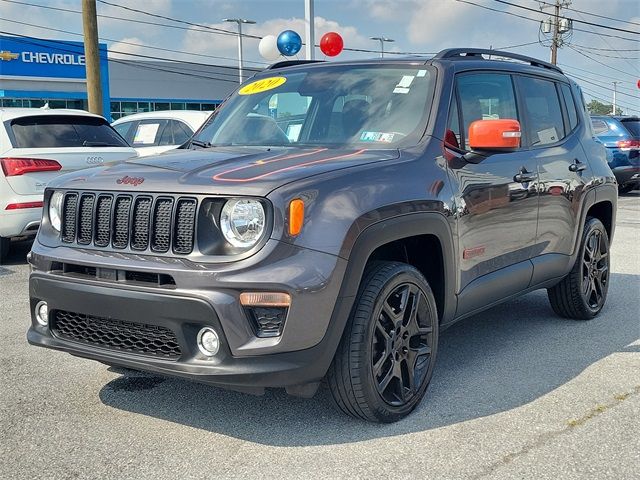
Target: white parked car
x=156 y=132
x=37 y=145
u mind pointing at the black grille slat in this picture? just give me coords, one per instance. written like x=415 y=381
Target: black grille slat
x=130 y=222
x=85 y=219
x=103 y=220
x=162 y=225
x=70 y=211
x=121 y=215
x=152 y=340
x=184 y=226
x=140 y=224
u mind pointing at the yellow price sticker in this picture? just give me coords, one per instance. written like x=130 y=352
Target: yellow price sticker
x=262 y=85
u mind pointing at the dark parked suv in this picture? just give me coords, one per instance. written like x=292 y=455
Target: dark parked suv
x=327 y=223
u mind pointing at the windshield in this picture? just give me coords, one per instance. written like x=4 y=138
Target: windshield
x=360 y=105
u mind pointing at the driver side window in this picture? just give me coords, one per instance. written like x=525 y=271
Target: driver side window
x=482 y=96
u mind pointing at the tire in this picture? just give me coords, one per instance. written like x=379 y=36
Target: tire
x=583 y=292
x=388 y=332
x=4 y=249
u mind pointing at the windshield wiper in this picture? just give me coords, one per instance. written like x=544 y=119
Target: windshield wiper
x=201 y=144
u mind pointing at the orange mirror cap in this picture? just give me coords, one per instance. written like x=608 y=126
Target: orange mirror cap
x=296 y=216
x=494 y=134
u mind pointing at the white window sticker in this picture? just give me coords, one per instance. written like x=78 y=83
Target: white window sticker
x=421 y=73
x=401 y=90
x=406 y=81
x=146 y=133
x=548 y=135
x=376 y=137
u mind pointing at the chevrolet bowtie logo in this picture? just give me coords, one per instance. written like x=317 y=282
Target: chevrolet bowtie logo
x=7 y=56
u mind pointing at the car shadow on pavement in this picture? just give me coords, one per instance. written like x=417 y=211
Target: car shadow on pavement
x=17 y=255
x=501 y=359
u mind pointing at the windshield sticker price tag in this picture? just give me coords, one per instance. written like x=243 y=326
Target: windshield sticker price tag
x=263 y=85
x=376 y=137
x=146 y=133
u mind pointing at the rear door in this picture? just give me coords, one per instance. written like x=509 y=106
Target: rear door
x=551 y=132
x=73 y=141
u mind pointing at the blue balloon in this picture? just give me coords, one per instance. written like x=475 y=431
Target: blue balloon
x=289 y=43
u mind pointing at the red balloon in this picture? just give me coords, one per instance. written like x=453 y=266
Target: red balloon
x=331 y=44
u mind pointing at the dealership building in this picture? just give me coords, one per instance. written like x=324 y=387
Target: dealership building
x=35 y=72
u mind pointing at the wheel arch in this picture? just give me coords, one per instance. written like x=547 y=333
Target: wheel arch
x=401 y=239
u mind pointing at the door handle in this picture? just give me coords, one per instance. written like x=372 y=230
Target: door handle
x=524 y=177
x=577 y=166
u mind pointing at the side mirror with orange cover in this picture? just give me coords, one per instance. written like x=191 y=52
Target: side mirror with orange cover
x=503 y=134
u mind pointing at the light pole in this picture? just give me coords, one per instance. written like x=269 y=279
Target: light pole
x=382 y=40
x=239 y=22
x=615 y=91
x=309 y=29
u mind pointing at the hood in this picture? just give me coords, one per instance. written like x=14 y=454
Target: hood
x=245 y=171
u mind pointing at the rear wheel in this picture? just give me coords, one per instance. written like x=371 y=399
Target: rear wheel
x=4 y=248
x=385 y=360
x=583 y=292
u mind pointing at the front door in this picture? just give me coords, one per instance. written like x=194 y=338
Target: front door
x=496 y=197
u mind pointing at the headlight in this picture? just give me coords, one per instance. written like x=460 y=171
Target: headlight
x=55 y=210
x=242 y=222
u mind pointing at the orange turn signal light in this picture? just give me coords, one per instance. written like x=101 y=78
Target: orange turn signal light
x=265 y=299
x=296 y=216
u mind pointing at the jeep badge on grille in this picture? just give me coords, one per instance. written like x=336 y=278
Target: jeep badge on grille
x=127 y=180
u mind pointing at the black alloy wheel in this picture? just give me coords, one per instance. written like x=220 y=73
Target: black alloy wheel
x=402 y=344
x=385 y=360
x=583 y=292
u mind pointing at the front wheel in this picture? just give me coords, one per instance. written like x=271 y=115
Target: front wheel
x=386 y=357
x=582 y=293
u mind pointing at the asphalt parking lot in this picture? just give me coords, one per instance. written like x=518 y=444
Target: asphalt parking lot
x=517 y=393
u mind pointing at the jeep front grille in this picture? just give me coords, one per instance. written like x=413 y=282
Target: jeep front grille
x=138 y=223
x=152 y=340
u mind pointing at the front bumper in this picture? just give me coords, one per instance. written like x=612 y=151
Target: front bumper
x=300 y=356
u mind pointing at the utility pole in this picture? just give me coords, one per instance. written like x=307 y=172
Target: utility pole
x=239 y=22
x=615 y=91
x=92 y=56
x=556 y=34
x=309 y=29
x=382 y=39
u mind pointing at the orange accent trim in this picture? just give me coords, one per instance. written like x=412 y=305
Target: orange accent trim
x=296 y=216
x=260 y=163
x=265 y=299
x=489 y=134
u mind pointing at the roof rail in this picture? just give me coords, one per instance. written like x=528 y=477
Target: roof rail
x=461 y=53
x=290 y=63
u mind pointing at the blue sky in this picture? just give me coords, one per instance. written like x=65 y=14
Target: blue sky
x=416 y=26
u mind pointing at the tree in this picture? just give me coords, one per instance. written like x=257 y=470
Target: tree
x=598 y=108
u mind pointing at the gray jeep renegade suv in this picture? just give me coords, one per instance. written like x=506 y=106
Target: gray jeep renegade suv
x=327 y=222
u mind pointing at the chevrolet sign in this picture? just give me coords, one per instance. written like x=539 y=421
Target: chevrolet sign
x=53 y=58
x=7 y=56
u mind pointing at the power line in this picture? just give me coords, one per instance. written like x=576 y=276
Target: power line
x=23 y=39
x=124 y=42
x=585 y=22
x=601 y=86
x=538 y=21
x=611 y=46
x=608 y=49
x=596 y=96
x=608 y=79
x=591 y=14
x=605 y=55
x=599 y=62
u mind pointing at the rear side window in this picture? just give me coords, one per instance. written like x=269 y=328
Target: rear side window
x=125 y=130
x=571 y=106
x=57 y=131
x=148 y=132
x=599 y=126
x=542 y=111
x=485 y=96
x=633 y=126
x=175 y=133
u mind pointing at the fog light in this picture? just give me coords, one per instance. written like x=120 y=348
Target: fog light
x=42 y=313
x=208 y=341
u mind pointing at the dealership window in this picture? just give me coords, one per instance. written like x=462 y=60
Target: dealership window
x=41 y=102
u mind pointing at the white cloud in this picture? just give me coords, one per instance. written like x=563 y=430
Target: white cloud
x=226 y=45
x=125 y=46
